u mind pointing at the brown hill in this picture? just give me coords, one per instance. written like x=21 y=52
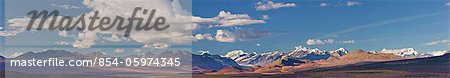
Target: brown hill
x=288 y=65
x=431 y=67
x=438 y=64
x=354 y=57
x=359 y=56
x=231 y=70
x=288 y=62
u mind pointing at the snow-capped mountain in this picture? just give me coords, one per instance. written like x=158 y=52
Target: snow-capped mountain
x=424 y=55
x=433 y=53
x=303 y=53
x=239 y=55
x=340 y=51
x=235 y=54
x=262 y=59
x=439 y=53
x=205 y=61
x=211 y=62
x=401 y=52
x=248 y=59
x=299 y=53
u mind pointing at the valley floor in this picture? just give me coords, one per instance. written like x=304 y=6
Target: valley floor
x=340 y=74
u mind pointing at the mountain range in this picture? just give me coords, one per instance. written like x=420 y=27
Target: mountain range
x=236 y=58
x=203 y=62
x=351 y=64
x=303 y=53
x=299 y=59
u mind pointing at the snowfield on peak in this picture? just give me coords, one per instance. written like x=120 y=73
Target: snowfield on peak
x=235 y=54
x=439 y=53
x=299 y=52
x=401 y=52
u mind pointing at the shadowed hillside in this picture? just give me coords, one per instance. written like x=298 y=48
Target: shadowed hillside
x=434 y=67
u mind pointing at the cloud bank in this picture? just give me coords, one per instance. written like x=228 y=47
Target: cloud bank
x=240 y=34
x=267 y=5
x=438 y=42
x=328 y=41
x=228 y=19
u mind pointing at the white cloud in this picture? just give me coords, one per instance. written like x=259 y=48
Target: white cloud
x=447 y=4
x=227 y=19
x=328 y=41
x=85 y=40
x=8 y=33
x=348 y=42
x=265 y=17
x=16 y=26
x=241 y=34
x=156 y=45
x=229 y=16
x=267 y=5
x=177 y=17
x=119 y=50
x=204 y=20
x=314 y=42
x=225 y=36
x=438 y=42
x=340 y=4
x=352 y=3
x=63 y=34
x=82 y=44
x=62 y=43
x=113 y=38
x=322 y=4
x=65 y=6
x=257 y=45
x=203 y=36
x=238 y=22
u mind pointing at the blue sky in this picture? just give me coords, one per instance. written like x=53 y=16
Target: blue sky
x=372 y=24
x=327 y=24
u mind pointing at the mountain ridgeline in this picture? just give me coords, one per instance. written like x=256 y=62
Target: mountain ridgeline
x=299 y=53
x=297 y=60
